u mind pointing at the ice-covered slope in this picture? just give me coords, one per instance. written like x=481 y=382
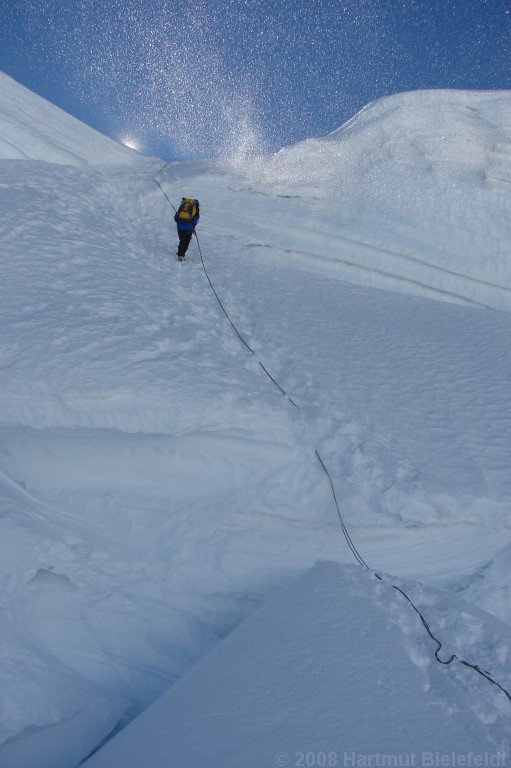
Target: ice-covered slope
x=165 y=487
x=33 y=129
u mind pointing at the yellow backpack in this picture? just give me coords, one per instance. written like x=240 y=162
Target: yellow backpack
x=188 y=209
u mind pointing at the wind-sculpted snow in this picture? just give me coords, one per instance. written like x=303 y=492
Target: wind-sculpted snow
x=157 y=487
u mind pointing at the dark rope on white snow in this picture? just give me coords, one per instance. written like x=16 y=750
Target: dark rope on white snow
x=356 y=554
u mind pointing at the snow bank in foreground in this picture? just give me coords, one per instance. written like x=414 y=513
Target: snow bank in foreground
x=340 y=666
x=32 y=128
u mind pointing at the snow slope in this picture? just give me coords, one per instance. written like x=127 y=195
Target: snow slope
x=34 y=129
x=412 y=195
x=156 y=487
x=332 y=671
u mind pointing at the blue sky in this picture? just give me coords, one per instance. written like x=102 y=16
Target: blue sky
x=203 y=77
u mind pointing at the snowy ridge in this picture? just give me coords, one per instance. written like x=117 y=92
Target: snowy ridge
x=158 y=489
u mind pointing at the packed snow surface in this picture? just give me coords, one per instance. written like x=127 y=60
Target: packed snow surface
x=156 y=487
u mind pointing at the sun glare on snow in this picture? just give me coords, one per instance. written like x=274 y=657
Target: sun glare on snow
x=130 y=142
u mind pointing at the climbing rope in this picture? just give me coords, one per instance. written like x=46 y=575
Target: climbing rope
x=454 y=657
x=356 y=554
x=358 y=557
